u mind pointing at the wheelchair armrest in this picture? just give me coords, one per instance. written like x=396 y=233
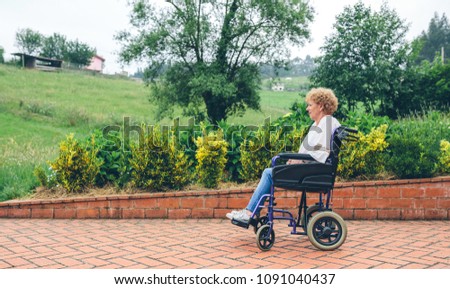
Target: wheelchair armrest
x=296 y=156
x=351 y=130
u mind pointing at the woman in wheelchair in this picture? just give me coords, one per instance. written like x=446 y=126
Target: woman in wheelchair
x=321 y=104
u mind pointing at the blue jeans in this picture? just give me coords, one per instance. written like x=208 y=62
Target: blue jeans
x=264 y=185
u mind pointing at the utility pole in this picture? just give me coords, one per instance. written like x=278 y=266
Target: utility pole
x=442 y=55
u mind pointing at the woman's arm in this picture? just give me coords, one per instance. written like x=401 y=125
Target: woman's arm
x=293 y=162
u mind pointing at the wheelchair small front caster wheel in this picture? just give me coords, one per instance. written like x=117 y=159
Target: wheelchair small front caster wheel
x=261 y=222
x=265 y=238
x=327 y=230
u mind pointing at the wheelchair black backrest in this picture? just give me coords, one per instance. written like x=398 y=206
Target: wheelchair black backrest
x=340 y=135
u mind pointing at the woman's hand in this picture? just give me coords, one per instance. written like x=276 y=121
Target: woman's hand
x=293 y=162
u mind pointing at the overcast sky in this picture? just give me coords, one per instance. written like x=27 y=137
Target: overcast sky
x=95 y=22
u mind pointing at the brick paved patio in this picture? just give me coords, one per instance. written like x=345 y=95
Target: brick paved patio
x=214 y=243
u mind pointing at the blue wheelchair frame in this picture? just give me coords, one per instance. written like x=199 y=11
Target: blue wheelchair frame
x=327 y=230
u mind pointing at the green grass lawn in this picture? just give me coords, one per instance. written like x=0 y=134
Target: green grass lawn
x=38 y=109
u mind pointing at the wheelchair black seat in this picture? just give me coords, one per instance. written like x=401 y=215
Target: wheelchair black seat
x=311 y=175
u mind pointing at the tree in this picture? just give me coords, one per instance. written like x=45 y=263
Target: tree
x=54 y=46
x=364 y=58
x=2 y=59
x=436 y=38
x=425 y=86
x=29 y=41
x=79 y=53
x=211 y=49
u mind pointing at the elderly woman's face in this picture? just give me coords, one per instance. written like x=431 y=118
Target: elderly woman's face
x=314 y=110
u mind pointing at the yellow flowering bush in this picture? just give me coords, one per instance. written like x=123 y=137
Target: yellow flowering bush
x=77 y=165
x=179 y=166
x=443 y=165
x=211 y=158
x=158 y=164
x=363 y=157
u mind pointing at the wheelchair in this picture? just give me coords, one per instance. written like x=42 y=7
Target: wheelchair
x=325 y=229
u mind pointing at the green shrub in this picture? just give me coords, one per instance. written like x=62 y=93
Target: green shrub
x=408 y=158
x=158 y=165
x=211 y=158
x=46 y=178
x=443 y=164
x=364 y=158
x=422 y=132
x=76 y=166
x=364 y=122
x=259 y=147
x=429 y=127
x=233 y=136
x=115 y=168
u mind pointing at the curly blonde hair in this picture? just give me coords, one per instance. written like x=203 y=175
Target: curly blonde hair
x=325 y=97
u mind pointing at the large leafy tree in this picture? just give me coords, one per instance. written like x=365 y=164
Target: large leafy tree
x=204 y=54
x=54 y=46
x=364 y=58
x=29 y=41
x=436 y=38
x=79 y=53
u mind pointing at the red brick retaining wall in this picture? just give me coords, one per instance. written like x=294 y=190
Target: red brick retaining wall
x=417 y=199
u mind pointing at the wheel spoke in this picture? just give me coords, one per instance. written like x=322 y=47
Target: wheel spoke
x=319 y=234
x=320 y=227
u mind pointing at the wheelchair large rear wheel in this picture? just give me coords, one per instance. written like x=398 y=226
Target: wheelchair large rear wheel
x=264 y=240
x=327 y=230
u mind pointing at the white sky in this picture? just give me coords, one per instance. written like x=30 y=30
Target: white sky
x=95 y=22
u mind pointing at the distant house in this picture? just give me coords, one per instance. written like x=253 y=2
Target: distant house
x=38 y=62
x=97 y=64
x=278 y=87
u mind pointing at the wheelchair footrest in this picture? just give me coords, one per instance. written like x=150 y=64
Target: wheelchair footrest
x=252 y=222
x=240 y=224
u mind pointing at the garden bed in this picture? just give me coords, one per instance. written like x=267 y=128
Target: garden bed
x=413 y=199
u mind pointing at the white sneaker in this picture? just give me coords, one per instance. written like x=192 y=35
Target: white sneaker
x=232 y=213
x=242 y=216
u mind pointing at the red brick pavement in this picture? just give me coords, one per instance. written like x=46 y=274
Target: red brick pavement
x=215 y=244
